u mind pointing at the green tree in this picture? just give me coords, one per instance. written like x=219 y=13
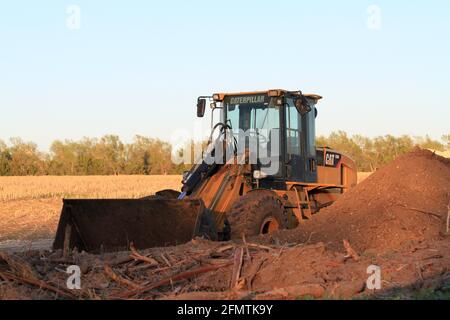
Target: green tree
x=110 y=153
x=365 y=158
x=5 y=159
x=87 y=162
x=428 y=143
x=388 y=148
x=63 y=158
x=25 y=158
x=342 y=142
x=149 y=156
x=446 y=139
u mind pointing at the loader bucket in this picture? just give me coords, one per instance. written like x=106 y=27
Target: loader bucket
x=111 y=225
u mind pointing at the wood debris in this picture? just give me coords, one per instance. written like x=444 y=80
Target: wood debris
x=350 y=252
x=237 y=266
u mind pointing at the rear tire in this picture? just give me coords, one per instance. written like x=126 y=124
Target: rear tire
x=257 y=212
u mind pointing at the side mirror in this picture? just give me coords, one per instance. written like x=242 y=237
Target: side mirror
x=201 y=105
x=302 y=106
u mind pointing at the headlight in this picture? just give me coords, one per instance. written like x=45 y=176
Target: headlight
x=257 y=174
x=274 y=93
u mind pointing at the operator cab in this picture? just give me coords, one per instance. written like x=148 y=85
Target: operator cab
x=277 y=127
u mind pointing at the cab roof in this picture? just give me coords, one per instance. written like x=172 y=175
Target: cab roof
x=270 y=92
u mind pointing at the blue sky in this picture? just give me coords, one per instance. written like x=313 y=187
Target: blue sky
x=137 y=67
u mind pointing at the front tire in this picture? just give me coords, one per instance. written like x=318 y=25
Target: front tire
x=257 y=212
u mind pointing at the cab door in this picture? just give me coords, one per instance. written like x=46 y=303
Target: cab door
x=299 y=145
x=309 y=137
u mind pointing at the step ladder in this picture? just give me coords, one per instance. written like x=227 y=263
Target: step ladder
x=303 y=204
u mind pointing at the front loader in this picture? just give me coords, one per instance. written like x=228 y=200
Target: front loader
x=261 y=172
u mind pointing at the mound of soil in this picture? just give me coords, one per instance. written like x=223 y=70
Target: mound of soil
x=405 y=201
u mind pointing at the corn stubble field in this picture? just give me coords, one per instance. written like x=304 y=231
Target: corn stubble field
x=30 y=206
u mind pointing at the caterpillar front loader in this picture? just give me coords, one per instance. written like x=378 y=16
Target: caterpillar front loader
x=261 y=172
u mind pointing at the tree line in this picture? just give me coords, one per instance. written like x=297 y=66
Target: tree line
x=108 y=155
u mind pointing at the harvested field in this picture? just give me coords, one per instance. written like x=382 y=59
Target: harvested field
x=363 y=176
x=396 y=219
x=79 y=187
x=30 y=206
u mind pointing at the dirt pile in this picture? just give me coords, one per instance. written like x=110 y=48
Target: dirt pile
x=405 y=201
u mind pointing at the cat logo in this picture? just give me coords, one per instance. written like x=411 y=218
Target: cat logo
x=332 y=159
